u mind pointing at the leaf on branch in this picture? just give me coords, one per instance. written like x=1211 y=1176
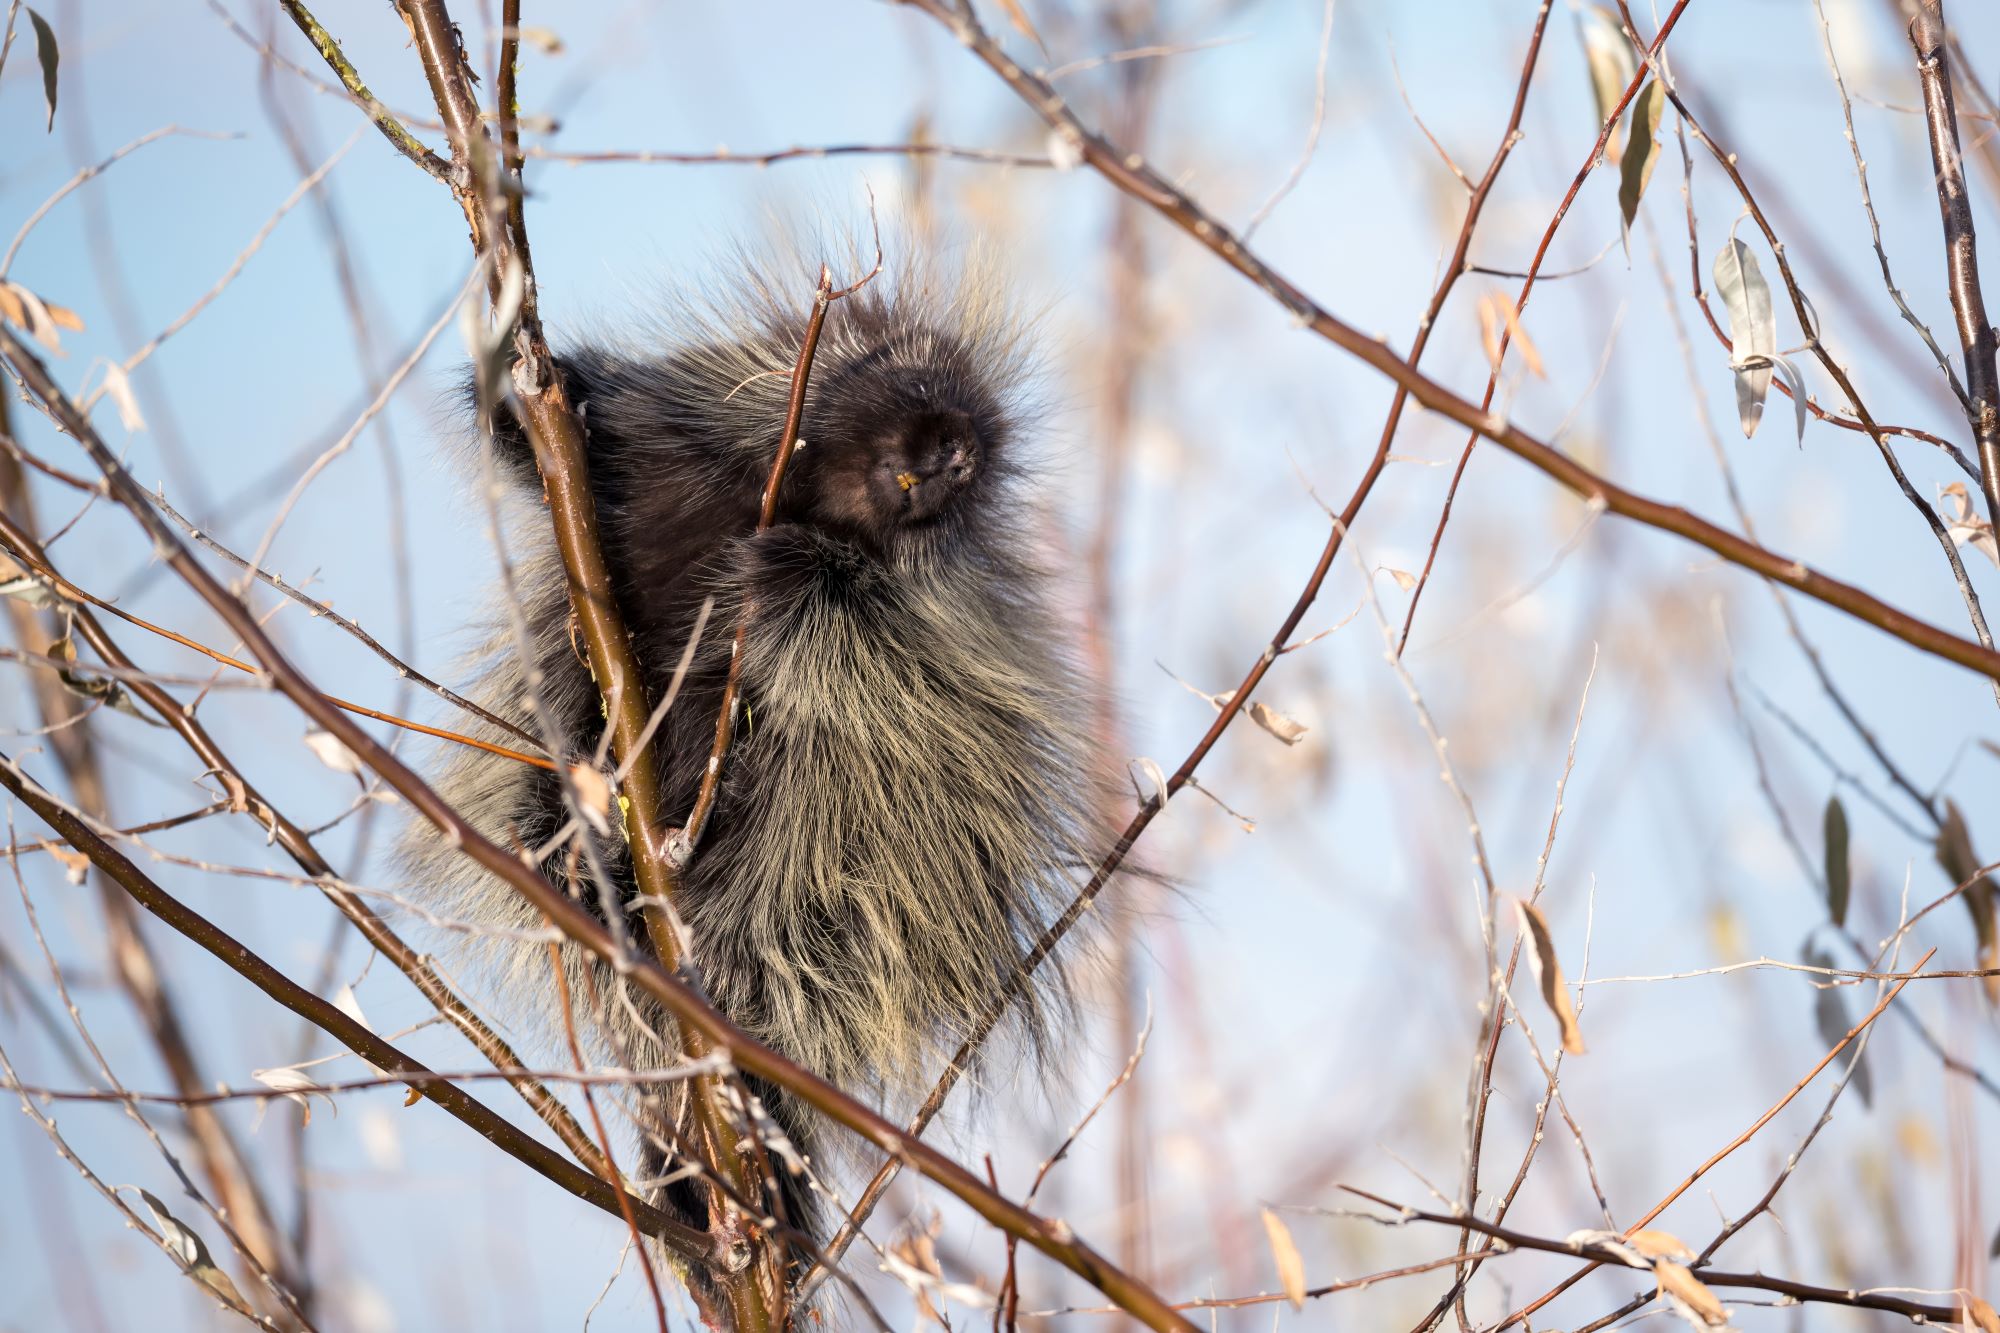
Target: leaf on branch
x=332 y=751
x=1839 y=877
x=912 y=1260
x=1281 y=725
x=50 y=58
x=297 y=1085
x=1661 y=1245
x=1065 y=150
x=593 y=797
x=1611 y=61
x=119 y=385
x=1548 y=973
x=25 y=310
x=1017 y=14
x=98 y=689
x=1982 y=896
x=187 y=1247
x=542 y=39
x=1753 y=336
x=1967 y=526
x=1830 y=1019
x=1797 y=384
x=29 y=589
x=76 y=866
x=1690 y=1299
x=1642 y=152
x=1496 y=312
x=1982 y=1315
x=1285 y=1254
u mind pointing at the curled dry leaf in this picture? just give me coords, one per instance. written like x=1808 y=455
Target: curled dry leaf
x=1285 y=1254
x=544 y=40
x=1281 y=725
x=24 y=309
x=330 y=750
x=1661 y=1245
x=1967 y=526
x=1690 y=1299
x=1548 y=973
x=593 y=797
x=76 y=866
x=119 y=385
x=297 y=1085
x=189 y=1248
x=1753 y=336
x=1981 y=1315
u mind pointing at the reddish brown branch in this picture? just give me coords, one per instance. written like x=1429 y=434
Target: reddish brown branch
x=1961 y=246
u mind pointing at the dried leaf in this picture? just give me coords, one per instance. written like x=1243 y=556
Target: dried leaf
x=1065 y=150
x=332 y=751
x=1753 y=336
x=1661 y=1245
x=27 y=310
x=1611 y=61
x=1642 y=151
x=1404 y=578
x=1548 y=973
x=593 y=797
x=1510 y=314
x=544 y=40
x=912 y=1260
x=296 y=1084
x=1967 y=526
x=1285 y=1254
x=189 y=1249
x=119 y=385
x=64 y=317
x=1690 y=1299
x=1017 y=14
x=1286 y=728
x=1612 y=1241
x=1489 y=330
x=1839 y=881
x=76 y=866
x=29 y=589
x=1797 y=384
x=1982 y=1315
x=50 y=58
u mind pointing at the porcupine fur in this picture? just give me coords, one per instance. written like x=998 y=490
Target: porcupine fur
x=909 y=796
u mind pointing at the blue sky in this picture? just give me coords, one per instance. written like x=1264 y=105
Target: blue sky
x=1314 y=983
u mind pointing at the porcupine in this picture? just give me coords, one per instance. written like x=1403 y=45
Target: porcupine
x=910 y=793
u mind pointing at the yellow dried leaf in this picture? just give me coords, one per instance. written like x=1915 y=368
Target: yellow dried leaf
x=1660 y=1245
x=1285 y=1254
x=1017 y=15
x=1686 y=1292
x=1512 y=317
x=1982 y=1316
x=1548 y=973
x=65 y=317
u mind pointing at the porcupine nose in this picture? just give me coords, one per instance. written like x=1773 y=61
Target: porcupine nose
x=941 y=468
